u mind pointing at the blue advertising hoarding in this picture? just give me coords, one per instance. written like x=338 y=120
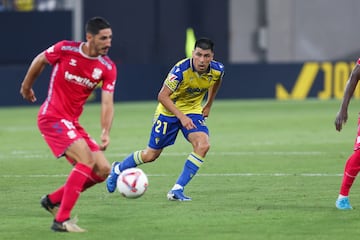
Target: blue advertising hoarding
x=321 y=80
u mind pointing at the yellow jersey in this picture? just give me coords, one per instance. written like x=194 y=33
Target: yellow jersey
x=189 y=87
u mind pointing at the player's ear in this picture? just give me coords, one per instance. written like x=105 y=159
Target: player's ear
x=89 y=36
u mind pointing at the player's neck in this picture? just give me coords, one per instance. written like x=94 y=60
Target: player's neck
x=88 y=51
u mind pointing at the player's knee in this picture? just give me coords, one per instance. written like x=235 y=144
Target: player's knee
x=105 y=171
x=202 y=148
x=150 y=156
x=102 y=168
x=90 y=162
x=102 y=171
x=206 y=148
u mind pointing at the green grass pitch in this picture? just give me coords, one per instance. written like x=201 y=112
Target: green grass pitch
x=273 y=172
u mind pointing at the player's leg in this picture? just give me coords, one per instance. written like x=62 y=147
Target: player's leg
x=102 y=167
x=54 y=132
x=67 y=138
x=138 y=157
x=80 y=152
x=51 y=201
x=199 y=139
x=200 y=143
x=49 y=205
x=352 y=168
x=69 y=193
x=133 y=160
x=163 y=133
x=100 y=171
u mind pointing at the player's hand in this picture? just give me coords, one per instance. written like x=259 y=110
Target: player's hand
x=187 y=123
x=206 y=112
x=341 y=118
x=102 y=147
x=28 y=94
x=105 y=141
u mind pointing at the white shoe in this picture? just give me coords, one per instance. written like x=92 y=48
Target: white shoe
x=67 y=226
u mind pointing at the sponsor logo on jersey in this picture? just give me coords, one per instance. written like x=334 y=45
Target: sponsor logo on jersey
x=96 y=74
x=72 y=62
x=111 y=87
x=70 y=48
x=196 y=90
x=79 y=80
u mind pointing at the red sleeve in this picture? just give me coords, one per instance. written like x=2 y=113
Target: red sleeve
x=358 y=61
x=53 y=53
x=109 y=80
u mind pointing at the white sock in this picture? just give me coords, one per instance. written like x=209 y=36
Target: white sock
x=341 y=196
x=116 y=169
x=177 y=187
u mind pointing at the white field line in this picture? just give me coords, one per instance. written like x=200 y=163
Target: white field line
x=36 y=155
x=198 y=175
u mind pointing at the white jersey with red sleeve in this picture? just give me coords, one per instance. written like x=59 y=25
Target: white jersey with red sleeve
x=74 y=76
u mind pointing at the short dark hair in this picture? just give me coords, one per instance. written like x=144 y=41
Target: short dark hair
x=95 y=24
x=205 y=44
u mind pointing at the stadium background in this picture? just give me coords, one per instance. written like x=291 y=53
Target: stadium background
x=276 y=49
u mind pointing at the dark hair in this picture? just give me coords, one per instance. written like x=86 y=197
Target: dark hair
x=205 y=44
x=95 y=24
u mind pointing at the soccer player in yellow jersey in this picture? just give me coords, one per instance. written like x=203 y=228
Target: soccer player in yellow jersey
x=180 y=107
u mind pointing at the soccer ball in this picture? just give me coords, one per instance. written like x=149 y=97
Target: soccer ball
x=132 y=183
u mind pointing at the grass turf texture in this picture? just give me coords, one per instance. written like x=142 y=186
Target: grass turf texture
x=273 y=172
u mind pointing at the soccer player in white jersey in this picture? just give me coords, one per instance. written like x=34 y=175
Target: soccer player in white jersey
x=78 y=67
x=180 y=108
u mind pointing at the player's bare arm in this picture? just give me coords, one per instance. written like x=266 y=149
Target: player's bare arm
x=342 y=115
x=37 y=66
x=164 y=99
x=107 y=115
x=211 y=97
